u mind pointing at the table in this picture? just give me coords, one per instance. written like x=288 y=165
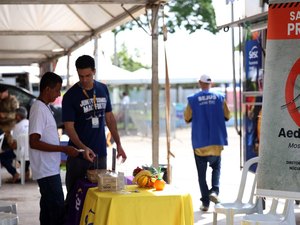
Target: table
x=137 y=206
x=77 y=198
x=76 y=201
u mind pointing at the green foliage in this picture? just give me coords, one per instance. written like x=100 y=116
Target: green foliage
x=127 y=62
x=191 y=15
x=153 y=170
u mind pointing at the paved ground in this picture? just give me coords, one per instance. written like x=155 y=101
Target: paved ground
x=139 y=153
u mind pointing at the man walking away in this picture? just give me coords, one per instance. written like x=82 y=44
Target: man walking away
x=207 y=111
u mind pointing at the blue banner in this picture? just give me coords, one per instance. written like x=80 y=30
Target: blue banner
x=253 y=59
x=253 y=65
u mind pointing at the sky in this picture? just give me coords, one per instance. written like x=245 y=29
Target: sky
x=200 y=52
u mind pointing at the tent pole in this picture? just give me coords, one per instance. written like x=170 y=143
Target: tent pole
x=96 y=56
x=155 y=88
x=68 y=71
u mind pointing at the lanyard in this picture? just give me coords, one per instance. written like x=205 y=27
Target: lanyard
x=88 y=97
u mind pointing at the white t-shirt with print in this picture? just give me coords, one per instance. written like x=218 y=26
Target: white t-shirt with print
x=41 y=121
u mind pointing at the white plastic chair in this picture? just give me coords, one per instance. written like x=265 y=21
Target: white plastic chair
x=22 y=153
x=286 y=217
x=8 y=207
x=1 y=142
x=253 y=205
x=8 y=219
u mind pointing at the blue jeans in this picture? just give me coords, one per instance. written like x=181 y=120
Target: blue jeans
x=201 y=164
x=52 y=201
x=6 y=159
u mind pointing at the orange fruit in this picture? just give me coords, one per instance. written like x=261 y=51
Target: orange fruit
x=151 y=182
x=159 y=185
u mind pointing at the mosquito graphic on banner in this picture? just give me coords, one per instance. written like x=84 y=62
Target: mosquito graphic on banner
x=279 y=165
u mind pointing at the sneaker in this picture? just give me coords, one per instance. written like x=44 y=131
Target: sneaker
x=214 y=198
x=204 y=208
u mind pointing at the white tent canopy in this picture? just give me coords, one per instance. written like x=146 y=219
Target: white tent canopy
x=37 y=31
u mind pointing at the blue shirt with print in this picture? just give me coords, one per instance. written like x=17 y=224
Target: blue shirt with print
x=80 y=108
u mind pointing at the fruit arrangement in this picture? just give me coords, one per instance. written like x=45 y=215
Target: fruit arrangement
x=143 y=178
x=159 y=184
x=136 y=171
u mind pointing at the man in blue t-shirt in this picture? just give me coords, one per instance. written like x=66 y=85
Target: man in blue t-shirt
x=208 y=111
x=86 y=108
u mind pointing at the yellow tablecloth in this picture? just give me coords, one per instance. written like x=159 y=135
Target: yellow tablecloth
x=137 y=206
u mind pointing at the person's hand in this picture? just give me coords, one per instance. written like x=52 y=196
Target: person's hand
x=121 y=153
x=71 y=151
x=89 y=155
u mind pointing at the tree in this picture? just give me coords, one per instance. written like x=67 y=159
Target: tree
x=192 y=15
x=189 y=14
x=127 y=62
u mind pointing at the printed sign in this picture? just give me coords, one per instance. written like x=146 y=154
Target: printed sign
x=253 y=59
x=253 y=65
x=279 y=169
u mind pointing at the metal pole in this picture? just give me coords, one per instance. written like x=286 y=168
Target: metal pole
x=155 y=88
x=68 y=71
x=116 y=63
x=240 y=98
x=97 y=75
x=233 y=71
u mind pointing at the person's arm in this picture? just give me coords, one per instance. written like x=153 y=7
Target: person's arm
x=188 y=114
x=13 y=144
x=88 y=154
x=10 y=140
x=226 y=111
x=36 y=143
x=112 y=126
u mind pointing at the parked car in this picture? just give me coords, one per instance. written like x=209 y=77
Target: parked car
x=26 y=99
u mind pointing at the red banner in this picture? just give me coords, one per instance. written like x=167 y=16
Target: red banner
x=284 y=21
